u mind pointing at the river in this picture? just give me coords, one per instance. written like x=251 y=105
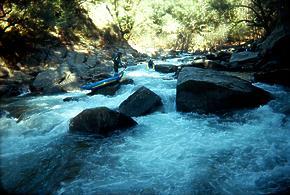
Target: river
x=169 y=152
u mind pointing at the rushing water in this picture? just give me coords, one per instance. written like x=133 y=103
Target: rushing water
x=167 y=153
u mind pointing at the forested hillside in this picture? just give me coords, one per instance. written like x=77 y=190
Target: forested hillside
x=181 y=25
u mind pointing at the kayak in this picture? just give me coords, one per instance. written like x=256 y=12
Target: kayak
x=102 y=83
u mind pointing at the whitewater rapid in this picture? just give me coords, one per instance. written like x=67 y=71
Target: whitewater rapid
x=167 y=153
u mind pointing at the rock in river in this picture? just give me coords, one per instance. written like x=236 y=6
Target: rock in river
x=166 y=68
x=142 y=102
x=208 y=91
x=101 y=121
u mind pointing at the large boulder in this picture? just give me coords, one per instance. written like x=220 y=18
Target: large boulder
x=277 y=44
x=76 y=62
x=49 y=81
x=203 y=63
x=274 y=67
x=245 y=60
x=208 y=91
x=21 y=77
x=100 y=121
x=223 y=56
x=56 y=81
x=245 y=56
x=141 y=102
x=109 y=90
x=92 y=61
x=166 y=68
x=10 y=90
x=279 y=76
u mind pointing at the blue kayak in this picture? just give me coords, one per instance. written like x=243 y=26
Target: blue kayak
x=102 y=83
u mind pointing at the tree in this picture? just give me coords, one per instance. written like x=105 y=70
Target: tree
x=123 y=12
x=263 y=14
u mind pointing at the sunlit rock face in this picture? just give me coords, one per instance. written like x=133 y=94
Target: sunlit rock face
x=101 y=121
x=142 y=102
x=208 y=91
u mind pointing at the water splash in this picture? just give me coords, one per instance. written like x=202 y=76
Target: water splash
x=167 y=153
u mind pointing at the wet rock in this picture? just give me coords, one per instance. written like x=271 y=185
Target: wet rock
x=279 y=76
x=142 y=102
x=106 y=90
x=101 y=121
x=10 y=90
x=208 y=91
x=165 y=68
x=127 y=81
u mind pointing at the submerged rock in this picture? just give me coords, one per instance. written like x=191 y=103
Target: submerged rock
x=70 y=99
x=141 y=102
x=208 y=91
x=101 y=121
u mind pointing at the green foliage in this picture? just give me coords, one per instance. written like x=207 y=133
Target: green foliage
x=33 y=17
x=123 y=12
x=26 y=25
x=189 y=24
x=175 y=24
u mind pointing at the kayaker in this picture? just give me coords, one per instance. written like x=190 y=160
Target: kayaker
x=150 y=64
x=117 y=62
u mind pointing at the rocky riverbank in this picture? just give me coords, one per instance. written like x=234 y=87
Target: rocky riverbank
x=61 y=69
